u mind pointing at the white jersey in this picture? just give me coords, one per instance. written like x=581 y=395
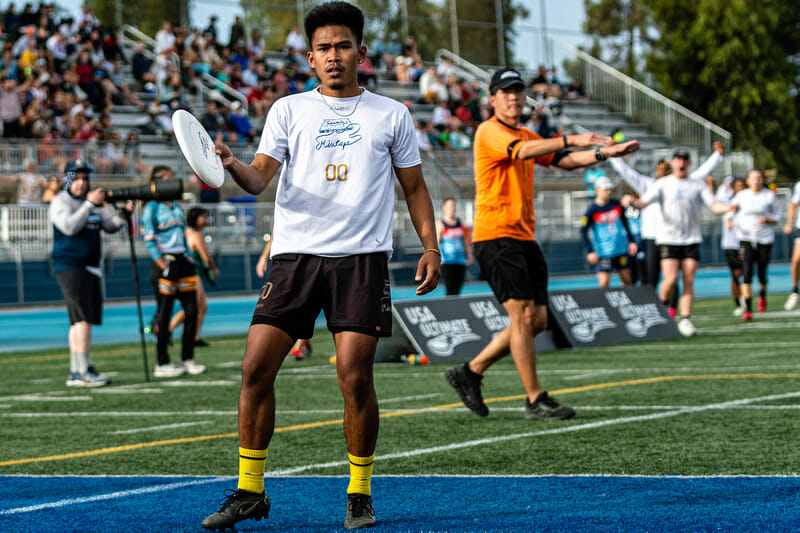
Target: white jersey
x=650 y=216
x=796 y=201
x=681 y=209
x=728 y=240
x=752 y=207
x=336 y=191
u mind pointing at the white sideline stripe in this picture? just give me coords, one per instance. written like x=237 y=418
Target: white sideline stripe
x=154 y=428
x=339 y=411
x=555 y=431
x=420 y=397
x=120 y=390
x=110 y=496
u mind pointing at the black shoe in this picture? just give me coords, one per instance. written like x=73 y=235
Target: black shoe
x=200 y=343
x=468 y=386
x=359 y=512
x=239 y=505
x=546 y=408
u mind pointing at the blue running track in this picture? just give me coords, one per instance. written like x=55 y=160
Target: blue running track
x=411 y=504
x=47 y=327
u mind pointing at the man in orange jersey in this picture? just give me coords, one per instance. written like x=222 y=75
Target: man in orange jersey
x=504 y=241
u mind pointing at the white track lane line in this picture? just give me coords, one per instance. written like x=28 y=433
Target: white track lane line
x=157 y=428
x=110 y=496
x=555 y=431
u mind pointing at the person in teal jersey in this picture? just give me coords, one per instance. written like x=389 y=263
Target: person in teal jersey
x=611 y=241
x=455 y=245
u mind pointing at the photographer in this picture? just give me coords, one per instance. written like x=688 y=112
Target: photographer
x=173 y=276
x=78 y=217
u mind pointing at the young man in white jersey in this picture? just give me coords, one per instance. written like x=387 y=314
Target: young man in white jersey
x=794 y=297
x=651 y=216
x=334 y=208
x=758 y=211
x=679 y=236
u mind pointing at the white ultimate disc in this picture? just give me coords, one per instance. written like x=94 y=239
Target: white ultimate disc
x=198 y=148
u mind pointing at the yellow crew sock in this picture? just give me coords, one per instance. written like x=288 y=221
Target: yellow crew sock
x=251 y=469
x=360 y=474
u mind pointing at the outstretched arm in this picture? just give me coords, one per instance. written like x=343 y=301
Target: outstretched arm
x=421 y=210
x=585 y=158
x=540 y=147
x=253 y=178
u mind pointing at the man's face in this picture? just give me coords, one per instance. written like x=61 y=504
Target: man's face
x=680 y=166
x=508 y=103
x=335 y=56
x=755 y=180
x=80 y=184
x=602 y=195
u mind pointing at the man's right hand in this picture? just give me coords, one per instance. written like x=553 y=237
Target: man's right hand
x=97 y=196
x=224 y=154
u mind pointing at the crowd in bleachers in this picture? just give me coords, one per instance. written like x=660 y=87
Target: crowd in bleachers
x=61 y=77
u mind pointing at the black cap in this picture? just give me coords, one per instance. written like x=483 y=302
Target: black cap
x=681 y=153
x=79 y=165
x=505 y=78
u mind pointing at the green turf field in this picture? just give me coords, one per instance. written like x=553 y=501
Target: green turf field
x=723 y=402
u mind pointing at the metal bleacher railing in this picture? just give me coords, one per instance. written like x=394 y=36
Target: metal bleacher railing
x=639 y=102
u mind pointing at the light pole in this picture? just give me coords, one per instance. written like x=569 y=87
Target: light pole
x=454 y=28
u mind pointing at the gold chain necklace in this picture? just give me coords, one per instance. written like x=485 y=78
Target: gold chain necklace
x=335 y=110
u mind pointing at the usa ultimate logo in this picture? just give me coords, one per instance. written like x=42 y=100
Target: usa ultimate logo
x=337 y=133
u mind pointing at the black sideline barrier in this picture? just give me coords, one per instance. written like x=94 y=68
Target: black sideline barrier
x=599 y=317
x=453 y=328
x=456 y=328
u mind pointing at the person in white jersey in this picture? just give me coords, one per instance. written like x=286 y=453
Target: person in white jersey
x=794 y=297
x=337 y=146
x=650 y=217
x=729 y=242
x=758 y=211
x=678 y=236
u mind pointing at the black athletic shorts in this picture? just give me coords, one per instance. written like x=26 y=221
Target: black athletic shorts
x=514 y=269
x=83 y=294
x=734 y=259
x=352 y=291
x=610 y=264
x=680 y=252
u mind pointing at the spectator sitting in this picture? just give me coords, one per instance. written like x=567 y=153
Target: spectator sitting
x=261 y=97
x=539 y=83
x=422 y=137
x=295 y=45
x=376 y=50
x=459 y=140
x=393 y=49
x=134 y=154
x=53 y=188
x=140 y=67
x=114 y=159
x=30 y=185
x=165 y=39
x=367 y=75
x=216 y=124
x=575 y=90
x=241 y=123
x=442 y=115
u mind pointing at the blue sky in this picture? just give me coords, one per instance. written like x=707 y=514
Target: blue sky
x=564 y=20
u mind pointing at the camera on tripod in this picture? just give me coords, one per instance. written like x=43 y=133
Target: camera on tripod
x=160 y=191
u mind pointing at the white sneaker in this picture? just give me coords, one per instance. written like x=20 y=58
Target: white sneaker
x=193 y=367
x=686 y=328
x=169 y=371
x=87 y=379
x=739 y=311
x=791 y=303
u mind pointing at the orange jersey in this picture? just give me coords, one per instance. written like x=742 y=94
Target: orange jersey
x=503 y=183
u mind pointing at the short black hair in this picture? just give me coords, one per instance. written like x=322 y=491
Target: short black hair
x=158 y=172
x=193 y=214
x=335 y=14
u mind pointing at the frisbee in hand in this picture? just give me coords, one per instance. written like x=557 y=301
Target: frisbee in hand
x=198 y=148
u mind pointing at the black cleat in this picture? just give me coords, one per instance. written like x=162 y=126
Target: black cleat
x=239 y=505
x=359 y=512
x=468 y=386
x=546 y=408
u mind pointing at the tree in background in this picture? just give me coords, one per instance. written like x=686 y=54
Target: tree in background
x=147 y=15
x=618 y=27
x=735 y=63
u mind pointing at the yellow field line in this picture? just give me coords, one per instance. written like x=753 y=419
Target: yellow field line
x=312 y=425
